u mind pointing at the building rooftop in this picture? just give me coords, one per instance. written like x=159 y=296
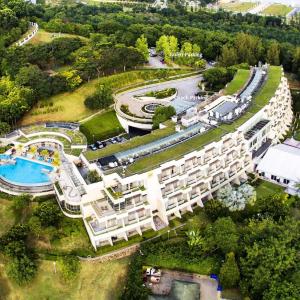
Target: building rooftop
x=156 y=148
x=282 y=160
x=225 y=107
x=260 y=99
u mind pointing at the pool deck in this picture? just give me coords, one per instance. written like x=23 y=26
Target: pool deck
x=208 y=286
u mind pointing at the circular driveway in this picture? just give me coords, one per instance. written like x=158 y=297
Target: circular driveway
x=186 y=90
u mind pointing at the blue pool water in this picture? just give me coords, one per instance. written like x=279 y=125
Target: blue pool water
x=25 y=172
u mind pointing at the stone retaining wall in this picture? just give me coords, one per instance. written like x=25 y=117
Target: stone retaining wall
x=113 y=255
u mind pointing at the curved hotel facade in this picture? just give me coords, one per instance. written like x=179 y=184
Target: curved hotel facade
x=146 y=185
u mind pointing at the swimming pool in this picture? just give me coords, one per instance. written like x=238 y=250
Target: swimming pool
x=25 y=172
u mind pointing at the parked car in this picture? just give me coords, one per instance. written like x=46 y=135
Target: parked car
x=113 y=140
x=93 y=147
x=99 y=145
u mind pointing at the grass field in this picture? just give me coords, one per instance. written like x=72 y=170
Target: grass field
x=277 y=10
x=266 y=188
x=6 y=216
x=70 y=105
x=101 y=126
x=97 y=281
x=238 y=7
x=206 y=266
x=239 y=80
x=43 y=36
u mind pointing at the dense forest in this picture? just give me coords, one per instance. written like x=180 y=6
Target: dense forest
x=105 y=41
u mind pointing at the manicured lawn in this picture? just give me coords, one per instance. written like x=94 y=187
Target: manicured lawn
x=268 y=90
x=70 y=106
x=266 y=188
x=134 y=142
x=99 y=281
x=101 y=126
x=238 y=7
x=277 y=10
x=43 y=36
x=175 y=152
x=7 y=218
x=206 y=266
x=239 y=80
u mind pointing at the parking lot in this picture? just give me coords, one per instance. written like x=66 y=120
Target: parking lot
x=102 y=144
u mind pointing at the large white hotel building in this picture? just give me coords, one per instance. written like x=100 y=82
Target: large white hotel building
x=145 y=186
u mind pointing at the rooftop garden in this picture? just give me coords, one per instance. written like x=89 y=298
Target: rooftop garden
x=270 y=86
x=101 y=126
x=175 y=152
x=77 y=138
x=280 y=10
x=132 y=143
x=260 y=99
x=162 y=93
x=240 y=79
x=239 y=7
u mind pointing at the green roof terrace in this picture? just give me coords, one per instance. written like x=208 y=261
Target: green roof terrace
x=261 y=98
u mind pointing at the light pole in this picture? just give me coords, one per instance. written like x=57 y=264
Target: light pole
x=168 y=234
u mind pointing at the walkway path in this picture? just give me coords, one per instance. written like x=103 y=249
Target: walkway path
x=32 y=31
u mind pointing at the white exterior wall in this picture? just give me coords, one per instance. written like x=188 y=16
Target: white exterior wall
x=178 y=185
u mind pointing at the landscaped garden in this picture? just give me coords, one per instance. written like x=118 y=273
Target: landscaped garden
x=69 y=106
x=101 y=126
x=162 y=93
x=75 y=136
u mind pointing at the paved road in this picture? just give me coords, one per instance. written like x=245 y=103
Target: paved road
x=154 y=62
x=186 y=88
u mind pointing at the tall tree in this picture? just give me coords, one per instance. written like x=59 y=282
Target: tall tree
x=228 y=56
x=142 y=46
x=229 y=273
x=273 y=54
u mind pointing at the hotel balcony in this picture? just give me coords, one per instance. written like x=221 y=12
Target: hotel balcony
x=190 y=164
x=168 y=173
x=218 y=179
x=213 y=168
x=210 y=154
x=227 y=145
x=171 y=188
x=176 y=200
